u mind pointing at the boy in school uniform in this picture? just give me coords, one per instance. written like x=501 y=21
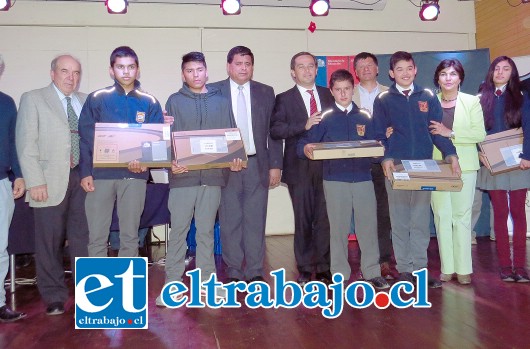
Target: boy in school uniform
x=409 y=110
x=347 y=182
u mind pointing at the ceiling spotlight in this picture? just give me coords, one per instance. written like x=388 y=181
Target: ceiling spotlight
x=5 y=5
x=231 y=7
x=117 y=7
x=319 y=8
x=429 y=10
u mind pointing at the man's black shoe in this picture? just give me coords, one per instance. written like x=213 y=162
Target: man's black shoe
x=55 y=308
x=304 y=278
x=256 y=278
x=8 y=315
x=433 y=282
x=379 y=283
x=324 y=277
x=406 y=277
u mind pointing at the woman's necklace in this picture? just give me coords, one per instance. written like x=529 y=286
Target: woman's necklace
x=449 y=100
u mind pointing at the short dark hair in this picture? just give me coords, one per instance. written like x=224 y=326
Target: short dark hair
x=193 y=57
x=239 y=50
x=340 y=75
x=123 y=51
x=400 y=56
x=303 y=53
x=447 y=63
x=364 y=55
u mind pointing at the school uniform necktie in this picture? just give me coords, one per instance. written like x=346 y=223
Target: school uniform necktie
x=242 y=117
x=406 y=92
x=498 y=92
x=312 y=103
x=73 y=122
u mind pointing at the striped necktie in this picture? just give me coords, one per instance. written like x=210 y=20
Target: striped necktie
x=73 y=122
x=312 y=103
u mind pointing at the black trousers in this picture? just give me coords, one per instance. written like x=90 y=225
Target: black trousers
x=52 y=225
x=311 y=224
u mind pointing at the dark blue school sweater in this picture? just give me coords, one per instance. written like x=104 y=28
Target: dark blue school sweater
x=8 y=152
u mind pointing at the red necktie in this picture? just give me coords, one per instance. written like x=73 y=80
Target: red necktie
x=498 y=93
x=312 y=103
x=406 y=92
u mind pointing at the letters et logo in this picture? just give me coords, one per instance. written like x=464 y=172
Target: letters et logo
x=111 y=293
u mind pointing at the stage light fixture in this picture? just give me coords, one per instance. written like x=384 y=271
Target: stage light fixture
x=5 y=5
x=429 y=10
x=319 y=8
x=231 y=7
x=117 y=7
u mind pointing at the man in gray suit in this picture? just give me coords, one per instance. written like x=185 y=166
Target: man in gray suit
x=48 y=147
x=243 y=209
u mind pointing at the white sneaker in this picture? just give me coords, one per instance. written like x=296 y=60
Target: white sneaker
x=175 y=298
x=220 y=293
x=159 y=302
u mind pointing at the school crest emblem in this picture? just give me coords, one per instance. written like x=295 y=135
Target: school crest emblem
x=140 y=117
x=424 y=106
x=361 y=129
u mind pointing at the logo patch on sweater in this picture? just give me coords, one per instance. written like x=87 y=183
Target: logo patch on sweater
x=140 y=117
x=424 y=106
x=361 y=129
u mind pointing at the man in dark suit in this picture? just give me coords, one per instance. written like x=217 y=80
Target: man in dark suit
x=243 y=209
x=296 y=110
x=48 y=148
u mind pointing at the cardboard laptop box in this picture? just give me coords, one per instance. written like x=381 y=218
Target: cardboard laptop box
x=428 y=175
x=347 y=149
x=502 y=150
x=117 y=144
x=205 y=149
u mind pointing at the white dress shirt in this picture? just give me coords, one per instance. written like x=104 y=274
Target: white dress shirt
x=234 y=92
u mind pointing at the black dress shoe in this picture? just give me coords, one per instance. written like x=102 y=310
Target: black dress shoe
x=407 y=277
x=433 y=282
x=255 y=279
x=8 y=315
x=55 y=308
x=324 y=277
x=229 y=280
x=304 y=278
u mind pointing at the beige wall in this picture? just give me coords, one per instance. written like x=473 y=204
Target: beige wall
x=33 y=32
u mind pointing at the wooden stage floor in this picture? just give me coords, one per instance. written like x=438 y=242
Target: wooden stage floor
x=486 y=314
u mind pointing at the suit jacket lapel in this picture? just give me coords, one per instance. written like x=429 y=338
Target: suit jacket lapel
x=254 y=106
x=50 y=96
x=299 y=100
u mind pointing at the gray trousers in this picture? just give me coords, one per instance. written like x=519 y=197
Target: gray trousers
x=410 y=213
x=183 y=203
x=341 y=198
x=242 y=215
x=99 y=204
